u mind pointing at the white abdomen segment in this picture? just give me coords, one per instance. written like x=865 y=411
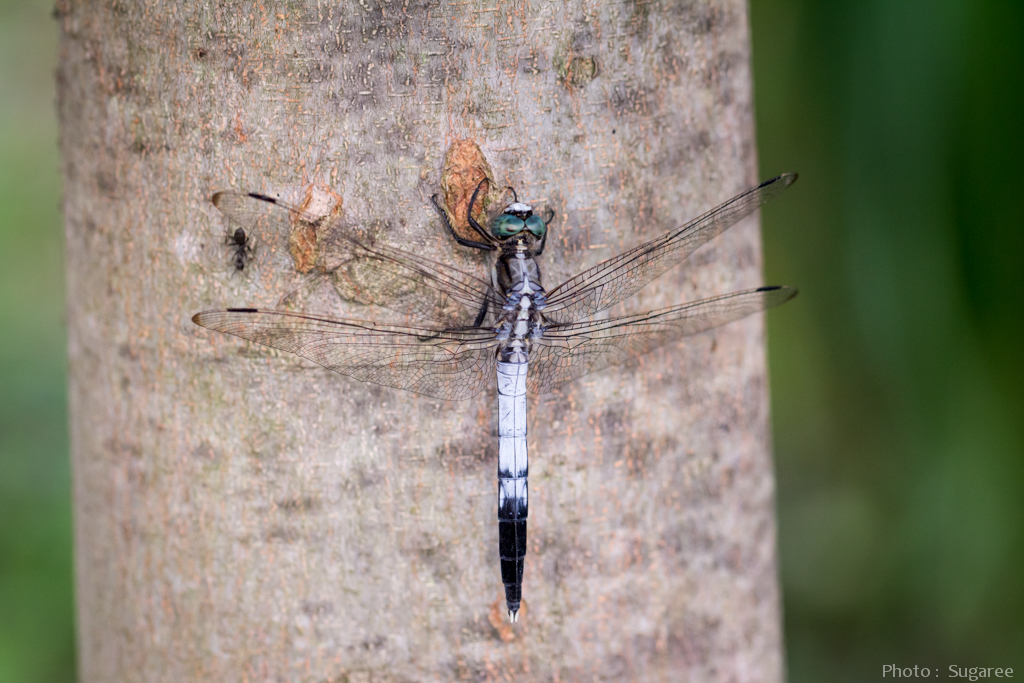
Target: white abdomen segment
x=512 y=473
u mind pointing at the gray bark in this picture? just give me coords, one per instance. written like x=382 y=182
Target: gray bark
x=244 y=515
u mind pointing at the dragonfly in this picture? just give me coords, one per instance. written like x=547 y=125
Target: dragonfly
x=510 y=330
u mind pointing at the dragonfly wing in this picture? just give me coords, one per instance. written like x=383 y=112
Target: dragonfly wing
x=406 y=283
x=269 y=220
x=448 y=364
x=371 y=275
x=250 y=207
x=611 y=281
x=571 y=350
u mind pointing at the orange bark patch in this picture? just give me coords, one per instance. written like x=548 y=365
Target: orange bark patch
x=464 y=168
x=498 y=617
x=321 y=207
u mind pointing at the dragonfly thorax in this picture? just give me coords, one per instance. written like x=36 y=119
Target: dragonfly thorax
x=518 y=278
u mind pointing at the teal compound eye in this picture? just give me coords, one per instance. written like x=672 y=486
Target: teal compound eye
x=506 y=225
x=536 y=226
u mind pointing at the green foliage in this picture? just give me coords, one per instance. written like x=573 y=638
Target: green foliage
x=36 y=600
x=897 y=376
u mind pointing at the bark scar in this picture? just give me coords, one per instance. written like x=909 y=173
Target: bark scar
x=464 y=167
x=303 y=241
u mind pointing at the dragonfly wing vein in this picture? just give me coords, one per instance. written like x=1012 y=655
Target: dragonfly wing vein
x=452 y=364
x=377 y=275
x=569 y=351
x=612 y=281
x=405 y=282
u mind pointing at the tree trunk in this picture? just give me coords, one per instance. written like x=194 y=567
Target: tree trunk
x=244 y=515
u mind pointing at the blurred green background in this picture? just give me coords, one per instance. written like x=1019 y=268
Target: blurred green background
x=897 y=376
x=36 y=593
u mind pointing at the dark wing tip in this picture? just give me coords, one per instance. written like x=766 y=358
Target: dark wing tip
x=782 y=294
x=219 y=197
x=243 y=310
x=786 y=178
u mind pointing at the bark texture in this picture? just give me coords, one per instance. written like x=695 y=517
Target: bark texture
x=242 y=515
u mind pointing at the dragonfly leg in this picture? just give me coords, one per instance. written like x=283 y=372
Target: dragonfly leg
x=481 y=315
x=547 y=221
x=543 y=241
x=551 y=216
x=451 y=231
x=469 y=214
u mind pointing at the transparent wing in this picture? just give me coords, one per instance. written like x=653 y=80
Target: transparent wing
x=611 y=281
x=406 y=283
x=274 y=224
x=253 y=207
x=360 y=273
x=450 y=364
x=570 y=350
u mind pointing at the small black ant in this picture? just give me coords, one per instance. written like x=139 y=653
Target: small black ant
x=242 y=246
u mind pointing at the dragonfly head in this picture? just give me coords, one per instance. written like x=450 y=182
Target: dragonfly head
x=519 y=210
x=516 y=218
